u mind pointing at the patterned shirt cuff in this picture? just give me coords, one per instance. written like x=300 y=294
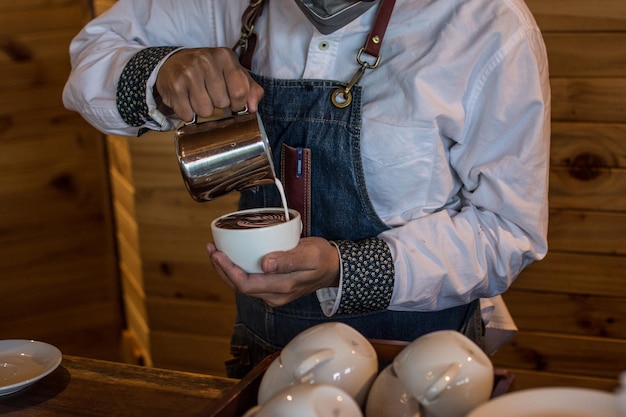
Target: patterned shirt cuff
x=368 y=275
x=131 y=88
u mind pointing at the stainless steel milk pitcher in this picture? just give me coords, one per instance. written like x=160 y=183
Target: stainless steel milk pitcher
x=224 y=155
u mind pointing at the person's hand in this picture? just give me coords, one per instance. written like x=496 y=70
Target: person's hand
x=200 y=80
x=311 y=265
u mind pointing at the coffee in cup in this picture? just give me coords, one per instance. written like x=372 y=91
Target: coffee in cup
x=251 y=219
x=246 y=236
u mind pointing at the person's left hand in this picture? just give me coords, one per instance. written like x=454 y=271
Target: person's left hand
x=311 y=265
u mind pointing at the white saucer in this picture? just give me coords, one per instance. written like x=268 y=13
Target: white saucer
x=553 y=402
x=24 y=362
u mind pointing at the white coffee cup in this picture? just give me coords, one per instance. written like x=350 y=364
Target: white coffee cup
x=329 y=353
x=308 y=400
x=446 y=372
x=388 y=397
x=246 y=247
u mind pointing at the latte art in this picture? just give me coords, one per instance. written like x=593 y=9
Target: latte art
x=251 y=220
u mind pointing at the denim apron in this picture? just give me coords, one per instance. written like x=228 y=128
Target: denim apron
x=300 y=119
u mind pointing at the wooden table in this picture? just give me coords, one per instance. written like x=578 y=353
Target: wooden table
x=82 y=387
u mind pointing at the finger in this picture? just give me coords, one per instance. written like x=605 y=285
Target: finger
x=211 y=248
x=222 y=265
x=238 y=88
x=254 y=97
x=287 y=262
x=181 y=107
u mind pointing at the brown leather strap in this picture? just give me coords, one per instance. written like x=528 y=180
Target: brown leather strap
x=295 y=175
x=375 y=38
x=246 y=57
x=248 y=40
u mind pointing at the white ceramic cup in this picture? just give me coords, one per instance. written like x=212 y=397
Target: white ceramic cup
x=308 y=400
x=329 y=353
x=247 y=247
x=388 y=397
x=446 y=372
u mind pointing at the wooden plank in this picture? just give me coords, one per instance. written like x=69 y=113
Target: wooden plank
x=586 y=186
x=49 y=242
x=600 y=145
x=155 y=165
x=582 y=315
x=57 y=162
x=53 y=121
x=120 y=157
x=190 y=352
x=173 y=207
x=190 y=316
x=81 y=387
x=90 y=330
x=100 y=6
x=34 y=99
x=587 y=232
x=588 y=163
x=30 y=60
x=600 y=100
x=56 y=236
x=564 y=354
x=576 y=273
x=139 y=328
x=185 y=243
x=186 y=280
x=580 y=54
x=40 y=19
x=50 y=45
x=525 y=379
x=579 y=15
x=133 y=292
x=35 y=284
x=126 y=228
x=129 y=261
x=123 y=192
x=24 y=5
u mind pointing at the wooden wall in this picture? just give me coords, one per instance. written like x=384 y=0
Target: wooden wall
x=570 y=308
x=58 y=280
x=178 y=310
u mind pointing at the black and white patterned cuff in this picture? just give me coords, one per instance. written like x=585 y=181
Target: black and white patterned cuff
x=131 y=88
x=368 y=275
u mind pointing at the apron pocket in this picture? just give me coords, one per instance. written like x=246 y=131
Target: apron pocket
x=295 y=174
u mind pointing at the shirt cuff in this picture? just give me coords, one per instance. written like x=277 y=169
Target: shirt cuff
x=368 y=275
x=131 y=96
x=330 y=297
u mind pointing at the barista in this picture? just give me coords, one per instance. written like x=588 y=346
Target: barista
x=426 y=193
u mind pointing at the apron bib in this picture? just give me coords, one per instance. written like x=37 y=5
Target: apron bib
x=316 y=149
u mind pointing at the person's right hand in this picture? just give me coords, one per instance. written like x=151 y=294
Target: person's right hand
x=200 y=80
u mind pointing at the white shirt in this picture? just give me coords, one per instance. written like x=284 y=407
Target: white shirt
x=455 y=135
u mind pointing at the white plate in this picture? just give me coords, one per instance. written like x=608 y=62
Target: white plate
x=551 y=402
x=24 y=362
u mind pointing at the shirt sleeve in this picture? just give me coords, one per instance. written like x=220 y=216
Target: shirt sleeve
x=131 y=94
x=496 y=223
x=366 y=278
x=115 y=59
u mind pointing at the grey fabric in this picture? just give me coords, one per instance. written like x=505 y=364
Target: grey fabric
x=330 y=15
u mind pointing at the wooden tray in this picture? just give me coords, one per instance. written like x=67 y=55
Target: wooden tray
x=243 y=396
